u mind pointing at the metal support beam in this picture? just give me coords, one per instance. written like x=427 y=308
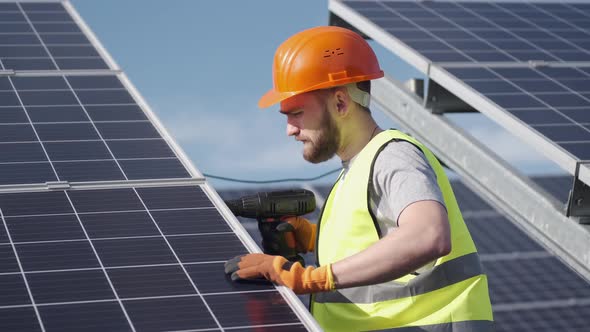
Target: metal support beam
x=482 y=170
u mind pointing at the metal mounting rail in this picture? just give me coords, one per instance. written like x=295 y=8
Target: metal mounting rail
x=65 y=185
x=482 y=170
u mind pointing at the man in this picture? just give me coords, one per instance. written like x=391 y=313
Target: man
x=392 y=248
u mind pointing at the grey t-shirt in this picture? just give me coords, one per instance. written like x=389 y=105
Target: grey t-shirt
x=401 y=176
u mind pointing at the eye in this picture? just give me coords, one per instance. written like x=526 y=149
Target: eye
x=296 y=114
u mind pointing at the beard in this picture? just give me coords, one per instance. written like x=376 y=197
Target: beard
x=325 y=145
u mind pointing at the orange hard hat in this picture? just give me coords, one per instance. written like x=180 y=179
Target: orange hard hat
x=319 y=58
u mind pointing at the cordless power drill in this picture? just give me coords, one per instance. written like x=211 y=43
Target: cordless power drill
x=268 y=208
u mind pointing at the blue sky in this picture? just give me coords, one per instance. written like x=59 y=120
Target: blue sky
x=202 y=65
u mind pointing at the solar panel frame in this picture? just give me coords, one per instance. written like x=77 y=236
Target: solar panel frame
x=437 y=72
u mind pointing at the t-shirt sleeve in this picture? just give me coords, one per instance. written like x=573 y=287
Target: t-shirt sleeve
x=402 y=176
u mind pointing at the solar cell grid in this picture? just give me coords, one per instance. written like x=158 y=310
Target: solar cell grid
x=531 y=280
x=484 y=31
x=43 y=36
x=507 y=237
x=80 y=128
x=530 y=289
x=566 y=318
x=89 y=251
x=551 y=100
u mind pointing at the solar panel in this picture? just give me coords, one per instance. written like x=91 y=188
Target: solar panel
x=44 y=36
x=484 y=31
x=552 y=101
x=525 y=65
x=67 y=255
x=106 y=225
x=525 y=280
x=78 y=128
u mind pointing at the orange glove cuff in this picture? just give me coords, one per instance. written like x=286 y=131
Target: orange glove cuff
x=304 y=280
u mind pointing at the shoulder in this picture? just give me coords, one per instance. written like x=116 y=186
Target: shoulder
x=399 y=153
x=402 y=176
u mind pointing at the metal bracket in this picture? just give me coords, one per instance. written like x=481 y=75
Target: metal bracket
x=415 y=85
x=6 y=72
x=538 y=63
x=440 y=100
x=579 y=198
x=57 y=185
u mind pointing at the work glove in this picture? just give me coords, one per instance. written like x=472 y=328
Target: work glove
x=305 y=232
x=280 y=271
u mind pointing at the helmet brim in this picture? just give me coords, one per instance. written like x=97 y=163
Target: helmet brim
x=272 y=97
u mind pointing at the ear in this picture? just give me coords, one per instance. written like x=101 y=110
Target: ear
x=342 y=100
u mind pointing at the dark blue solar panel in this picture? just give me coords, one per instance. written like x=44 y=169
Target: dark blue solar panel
x=44 y=228
x=35 y=36
x=234 y=309
x=105 y=259
x=151 y=281
x=13 y=289
x=69 y=286
x=60 y=317
x=484 y=31
x=551 y=100
x=572 y=318
x=530 y=289
x=538 y=279
x=136 y=169
x=19 y=319
x=8 y=263
x=178 y=316
x=89 y=127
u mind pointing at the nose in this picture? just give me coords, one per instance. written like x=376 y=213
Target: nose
x=292 y=130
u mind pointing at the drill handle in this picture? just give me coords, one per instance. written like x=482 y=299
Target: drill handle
x=277 y=242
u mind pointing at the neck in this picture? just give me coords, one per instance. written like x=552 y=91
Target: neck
x=356 y=136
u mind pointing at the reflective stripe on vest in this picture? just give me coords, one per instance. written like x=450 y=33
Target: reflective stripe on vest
x=452 y=296
x=445 y=274
x=469 y=326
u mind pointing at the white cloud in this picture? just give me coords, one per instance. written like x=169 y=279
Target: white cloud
x=237 y=143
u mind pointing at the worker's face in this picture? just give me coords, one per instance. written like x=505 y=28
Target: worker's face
x=310 y=122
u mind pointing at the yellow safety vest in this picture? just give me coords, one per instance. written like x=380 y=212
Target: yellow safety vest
x=452 y=296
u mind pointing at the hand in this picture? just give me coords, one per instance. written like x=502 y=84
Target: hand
x=281 y=272
x=305 y=232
